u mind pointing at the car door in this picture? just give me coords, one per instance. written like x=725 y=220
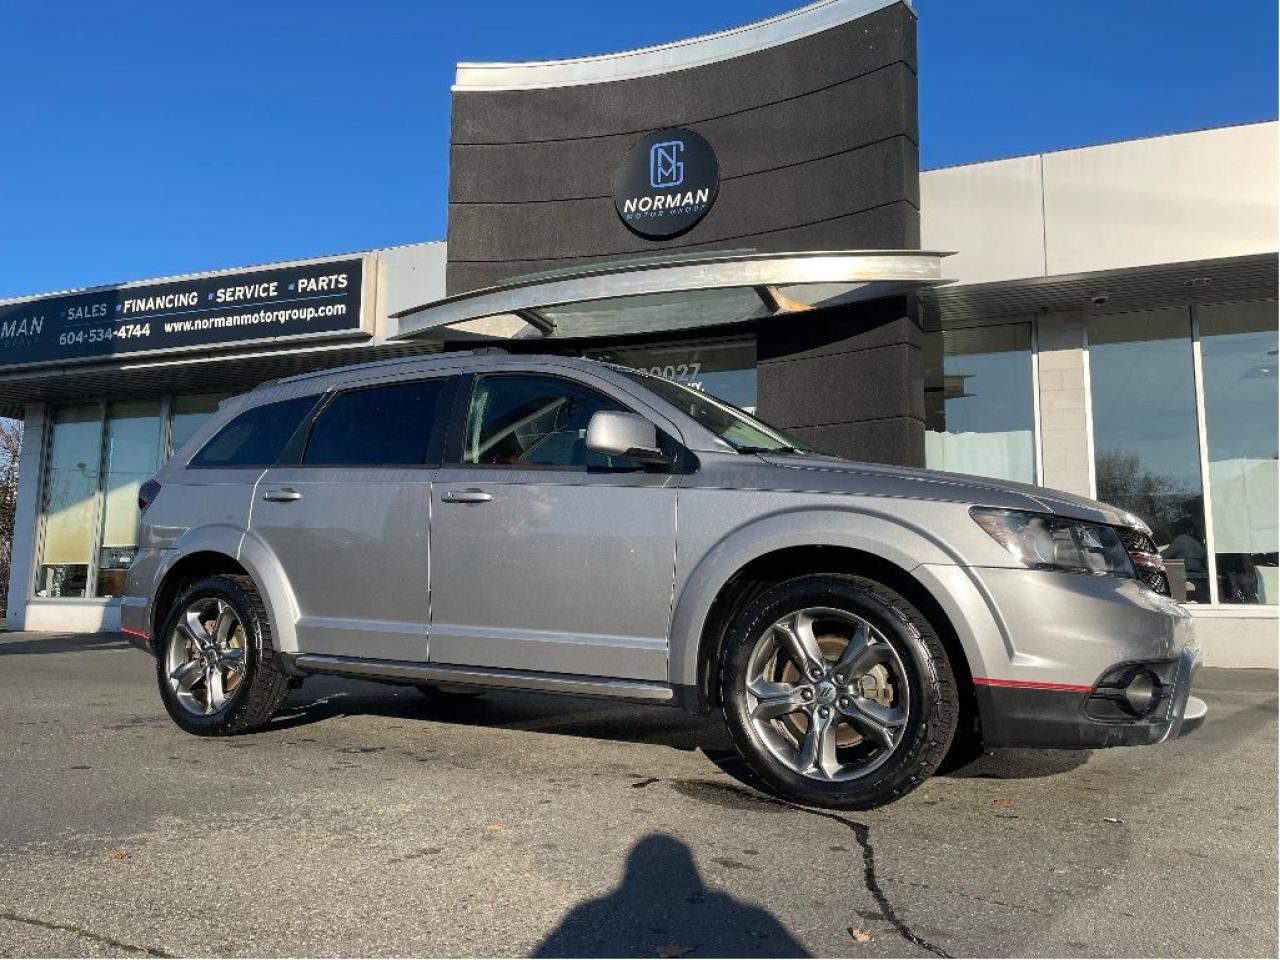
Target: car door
x=548 y=557
x=349 y=522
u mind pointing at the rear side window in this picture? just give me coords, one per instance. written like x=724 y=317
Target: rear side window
x=391 y=425
x=256 y=437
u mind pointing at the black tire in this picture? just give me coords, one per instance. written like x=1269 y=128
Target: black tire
x=448 y=694
x=264 y=686
x=934 y=700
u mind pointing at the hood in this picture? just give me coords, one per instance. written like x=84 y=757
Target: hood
x=847 y=476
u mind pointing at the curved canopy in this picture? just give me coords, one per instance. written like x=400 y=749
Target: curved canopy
x=671 y=293
x=667 y=57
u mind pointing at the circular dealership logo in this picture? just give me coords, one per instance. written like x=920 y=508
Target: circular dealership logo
x=667 y=183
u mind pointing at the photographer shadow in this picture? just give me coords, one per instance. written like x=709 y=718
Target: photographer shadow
x=662 y=908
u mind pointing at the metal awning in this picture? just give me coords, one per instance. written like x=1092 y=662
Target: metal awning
x=1221 y=280
x=670 y=293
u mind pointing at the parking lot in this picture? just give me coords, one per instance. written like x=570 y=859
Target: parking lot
x=370 y=821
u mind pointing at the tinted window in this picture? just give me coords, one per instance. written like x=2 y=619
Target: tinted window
x=256 y=437
x=379 y=425
x=538 y=421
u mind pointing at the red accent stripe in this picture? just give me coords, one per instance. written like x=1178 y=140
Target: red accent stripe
x=1030 y=685
x=134 y=633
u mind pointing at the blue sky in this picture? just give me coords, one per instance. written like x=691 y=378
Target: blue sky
x=146 y=138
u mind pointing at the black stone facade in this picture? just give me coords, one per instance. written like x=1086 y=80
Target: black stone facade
x=848 y=381
x=817 y=145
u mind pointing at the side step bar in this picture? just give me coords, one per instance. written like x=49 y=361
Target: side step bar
x=402 y=671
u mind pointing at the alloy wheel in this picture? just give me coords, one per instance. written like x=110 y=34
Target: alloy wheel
x=205 y=656
x=827 y=694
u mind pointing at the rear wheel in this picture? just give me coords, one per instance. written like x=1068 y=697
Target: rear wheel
x=216 y=664
x=838 y=692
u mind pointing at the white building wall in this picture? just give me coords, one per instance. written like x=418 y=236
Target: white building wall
x=1183 y=197
x=26 y=515
x=1066 y=457
x=1194 y=196
x=1229 y=638
x=407 y=277
x=990 y=215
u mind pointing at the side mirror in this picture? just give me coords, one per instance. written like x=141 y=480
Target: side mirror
x=617 y=434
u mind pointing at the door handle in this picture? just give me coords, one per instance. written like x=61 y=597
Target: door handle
x=284 y=495
x=469 y=495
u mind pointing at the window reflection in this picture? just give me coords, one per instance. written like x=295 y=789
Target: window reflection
x=189 y=414
x=70 y=493
x=1238 y=356
x=132 y=456
x=1145 y=434
x=980 y=413
x=725 y=369
x=93 y=469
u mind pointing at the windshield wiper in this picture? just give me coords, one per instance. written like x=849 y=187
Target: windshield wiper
x=768 y=450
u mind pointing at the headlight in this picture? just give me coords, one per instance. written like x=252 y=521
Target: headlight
x=1046 y=542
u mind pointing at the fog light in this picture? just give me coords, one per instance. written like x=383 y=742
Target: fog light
x=1142 y=692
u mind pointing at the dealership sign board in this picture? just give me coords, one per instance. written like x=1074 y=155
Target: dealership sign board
x=666 y=183
x=212 y=311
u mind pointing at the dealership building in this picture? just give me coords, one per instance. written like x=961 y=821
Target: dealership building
x=744 y=212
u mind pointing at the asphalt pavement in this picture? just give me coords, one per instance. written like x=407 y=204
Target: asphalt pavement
x=371 y=821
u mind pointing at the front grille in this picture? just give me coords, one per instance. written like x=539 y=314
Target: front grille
x=1147 y=562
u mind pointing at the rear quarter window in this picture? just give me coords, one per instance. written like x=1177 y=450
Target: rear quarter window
x=256 y=437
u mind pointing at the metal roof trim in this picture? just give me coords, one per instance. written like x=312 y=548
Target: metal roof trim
x=662 y=58
x=909 y=268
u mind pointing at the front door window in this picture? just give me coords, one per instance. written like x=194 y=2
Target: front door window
x=535 y=421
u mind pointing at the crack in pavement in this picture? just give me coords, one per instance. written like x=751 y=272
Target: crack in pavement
x=861 y=833
x=83 y=933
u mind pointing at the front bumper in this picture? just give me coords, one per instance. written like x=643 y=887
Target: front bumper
x=1084 y=718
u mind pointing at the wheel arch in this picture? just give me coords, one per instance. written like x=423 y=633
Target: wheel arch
x=182 y=573
x=214 y=550
x=884 y=551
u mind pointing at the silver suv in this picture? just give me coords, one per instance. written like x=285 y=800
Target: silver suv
x=476 y=521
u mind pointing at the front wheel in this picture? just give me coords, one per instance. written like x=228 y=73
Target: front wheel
x=838 y=692
x=216 y=665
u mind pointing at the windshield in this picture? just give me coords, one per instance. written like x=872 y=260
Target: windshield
x=735 y=427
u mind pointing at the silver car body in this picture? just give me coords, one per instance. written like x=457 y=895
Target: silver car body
x=607 y=583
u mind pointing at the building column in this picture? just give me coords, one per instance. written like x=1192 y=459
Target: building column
x=1066 y=448
x=26 y=521
x=847 y=380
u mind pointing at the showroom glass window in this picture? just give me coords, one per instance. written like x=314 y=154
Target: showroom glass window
x=97 y=457
x=130 y=457
x=725 y=369
x=188 y=415
x=1146 y=435
x=980 y=403
x=1238 y=357
x=70 y=500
